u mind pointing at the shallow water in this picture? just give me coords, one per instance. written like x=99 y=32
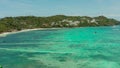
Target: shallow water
x=89 y=47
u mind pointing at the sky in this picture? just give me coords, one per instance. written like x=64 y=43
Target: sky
x=108 y=8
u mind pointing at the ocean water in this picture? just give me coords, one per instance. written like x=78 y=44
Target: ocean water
x=88 y=47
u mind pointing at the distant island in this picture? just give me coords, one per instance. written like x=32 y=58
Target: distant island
x=9 y=24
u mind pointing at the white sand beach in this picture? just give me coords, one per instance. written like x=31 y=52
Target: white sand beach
x=25 y=30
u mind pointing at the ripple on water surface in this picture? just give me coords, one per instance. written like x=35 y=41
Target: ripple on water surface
x=91 y=47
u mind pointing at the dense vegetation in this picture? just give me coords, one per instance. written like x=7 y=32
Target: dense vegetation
x=8 y=24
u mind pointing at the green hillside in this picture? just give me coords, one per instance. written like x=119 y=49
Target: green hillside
x=9 y=24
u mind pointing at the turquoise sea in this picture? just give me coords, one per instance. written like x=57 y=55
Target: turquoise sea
x=86 y=47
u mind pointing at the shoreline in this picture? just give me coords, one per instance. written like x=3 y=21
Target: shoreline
x=4 y=34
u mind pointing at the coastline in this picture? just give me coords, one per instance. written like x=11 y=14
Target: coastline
x=4 y=34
